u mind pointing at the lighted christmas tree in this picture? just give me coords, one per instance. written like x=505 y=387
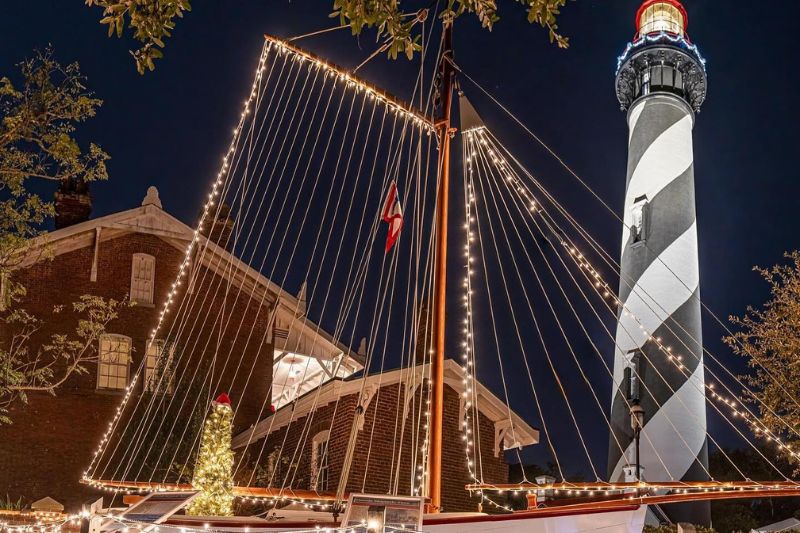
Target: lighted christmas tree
x=213 y=472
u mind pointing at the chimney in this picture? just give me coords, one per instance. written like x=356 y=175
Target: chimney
x=73 y=202
x=219 y=230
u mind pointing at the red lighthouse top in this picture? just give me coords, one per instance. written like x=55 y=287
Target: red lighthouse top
x=656 y=16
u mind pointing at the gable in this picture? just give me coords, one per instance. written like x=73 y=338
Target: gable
x=326 y=357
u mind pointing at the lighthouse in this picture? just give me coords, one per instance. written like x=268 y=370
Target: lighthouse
x=658 y=411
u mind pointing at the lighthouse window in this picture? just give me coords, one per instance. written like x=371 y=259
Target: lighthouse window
x=661 y=17
x=639 y=221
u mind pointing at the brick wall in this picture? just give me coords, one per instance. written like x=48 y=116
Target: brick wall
x=378 y=447
x=53 y=438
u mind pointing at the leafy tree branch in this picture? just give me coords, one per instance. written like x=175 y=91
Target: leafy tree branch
x=150 y=22
x=39 y=115
x=769 y=338
x=28 y=366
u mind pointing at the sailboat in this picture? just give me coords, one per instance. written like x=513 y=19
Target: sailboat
x=319 y=160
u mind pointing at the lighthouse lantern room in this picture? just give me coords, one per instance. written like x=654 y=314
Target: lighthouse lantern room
x=657 y=16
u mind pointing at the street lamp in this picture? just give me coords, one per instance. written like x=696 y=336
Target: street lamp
x=637 y=423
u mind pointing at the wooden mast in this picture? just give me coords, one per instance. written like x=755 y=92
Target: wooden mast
x=440 y=279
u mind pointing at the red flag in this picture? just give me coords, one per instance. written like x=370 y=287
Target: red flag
x=392 y=215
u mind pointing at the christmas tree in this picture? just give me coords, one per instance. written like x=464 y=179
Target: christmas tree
x=213 y=473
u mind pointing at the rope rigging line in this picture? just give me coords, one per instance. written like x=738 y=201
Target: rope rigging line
x=608 y=294
x=222 y=316
x=302 y=441
x=307 y=424
x=585 y=185
x=193 y=333
x=537 y=327
x=471 y=199
x=189 y=322
x=561 y=237
x=410 y=163
x=224 y=173
x=182 y=325
x=524 y=208
x=260 y=305
x=337 y=332
x=485 y=165
x=616 y=267
x=306 y=435
x=305 y=215
x=358 y=233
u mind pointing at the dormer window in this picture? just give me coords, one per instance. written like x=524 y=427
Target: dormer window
x=143 y=274
x=659 y=16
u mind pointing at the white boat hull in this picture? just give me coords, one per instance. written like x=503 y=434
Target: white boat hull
x=623 y=521
x=629 y=521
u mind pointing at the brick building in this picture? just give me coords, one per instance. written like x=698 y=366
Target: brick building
x=314 y=432
x=137 y=253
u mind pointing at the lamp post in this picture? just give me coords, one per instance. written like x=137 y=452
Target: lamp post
x=637 y=423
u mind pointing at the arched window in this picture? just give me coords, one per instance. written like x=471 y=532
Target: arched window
x=143 y=275
x=113 y=362
x=320 y=473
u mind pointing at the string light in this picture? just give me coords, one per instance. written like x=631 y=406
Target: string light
x=356 y=83
x=184 y=266
x=280 y=48
x=659 y=37
x=603 y=289
x=467 y=354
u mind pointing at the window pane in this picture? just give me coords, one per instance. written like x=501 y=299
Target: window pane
x=113 y=362
x=142 y=277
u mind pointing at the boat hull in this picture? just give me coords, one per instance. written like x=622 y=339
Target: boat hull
x=623 y=521
x=628 y=520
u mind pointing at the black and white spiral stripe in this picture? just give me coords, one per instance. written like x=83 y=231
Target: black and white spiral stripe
x=660 y=287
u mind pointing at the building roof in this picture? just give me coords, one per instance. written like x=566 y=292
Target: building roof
x=790 y=524
x=151 y=219
x=511 y=429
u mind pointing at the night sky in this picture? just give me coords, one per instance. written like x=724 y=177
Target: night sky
x=170 y=127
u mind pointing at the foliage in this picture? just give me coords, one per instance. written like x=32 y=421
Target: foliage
x=769 y=338
x=152 y=21
x=391 y=22
x=24 y=369
x=38 y=118
x=9 y=504
x=213 y=473
x=731 y=516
